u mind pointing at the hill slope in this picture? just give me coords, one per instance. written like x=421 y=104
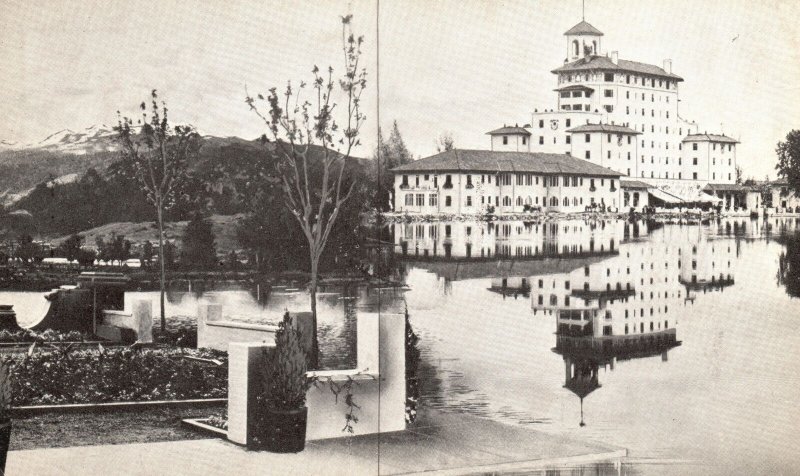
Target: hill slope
x=224 y=227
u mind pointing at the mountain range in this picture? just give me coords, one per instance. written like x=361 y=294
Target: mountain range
x=97 y=138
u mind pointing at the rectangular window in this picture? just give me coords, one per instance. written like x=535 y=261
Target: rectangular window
x=420 y=199
x=569 y=139
x=409 y=199
x=541 y=123
x=448 y=201
x=609 y=93
x=469 y=200
x=569 y=122
x=694 y=161
x=694 y=175
x=694 y=146
x=541 y=140
x=588 y=155
x=505 y=140
x=588 y=137
x=609 y=77
x=433 y=200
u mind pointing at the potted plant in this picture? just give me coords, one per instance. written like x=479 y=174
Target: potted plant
x=283 y=423
x=5 y=410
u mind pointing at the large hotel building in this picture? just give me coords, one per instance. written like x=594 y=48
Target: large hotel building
x=616 y=122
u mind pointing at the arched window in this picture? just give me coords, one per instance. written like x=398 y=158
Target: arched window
x=566 y=201
x=575 y=48
x=519 y=201
x=594 y=47
x=506 y=201
x=575 y=201
x=528 y=201
x=554 y=202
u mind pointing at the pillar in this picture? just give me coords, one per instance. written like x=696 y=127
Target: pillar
x=143 y=320
x=247 y=365
x=391 y=349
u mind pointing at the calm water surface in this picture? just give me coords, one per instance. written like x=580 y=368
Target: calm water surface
x=681 y=341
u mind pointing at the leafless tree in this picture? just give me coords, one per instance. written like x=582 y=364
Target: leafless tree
x=301 y=117
x=157 y=155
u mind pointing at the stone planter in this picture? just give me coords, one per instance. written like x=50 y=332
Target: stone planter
x=283 y=431
x=5 y=439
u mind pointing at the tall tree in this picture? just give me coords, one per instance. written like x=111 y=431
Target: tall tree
x=296 y=121
x=71 y=247
x=199 y=249
x=158 y=154
x=789 y=159
x=389 y=154
x=445 y=142
x=739 y=177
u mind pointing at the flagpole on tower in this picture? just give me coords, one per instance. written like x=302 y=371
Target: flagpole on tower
x=583 y=10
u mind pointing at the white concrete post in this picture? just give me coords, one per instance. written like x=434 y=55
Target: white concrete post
x=143 y=320
x=392 y=372
x=205 y=313
x=246 y=372
x=367 y=341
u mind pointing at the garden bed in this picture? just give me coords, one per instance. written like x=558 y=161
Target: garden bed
x=108 y=428
x=27 y=336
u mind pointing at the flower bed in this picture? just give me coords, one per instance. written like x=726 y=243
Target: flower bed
x=27 y=336
x=115 y=375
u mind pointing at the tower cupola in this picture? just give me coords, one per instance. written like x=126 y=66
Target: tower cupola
x=582 y=40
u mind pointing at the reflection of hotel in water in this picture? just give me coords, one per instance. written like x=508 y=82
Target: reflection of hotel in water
x=614 y=296
x=506 y=239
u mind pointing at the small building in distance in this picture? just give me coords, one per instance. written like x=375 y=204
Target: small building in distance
x=479 y=181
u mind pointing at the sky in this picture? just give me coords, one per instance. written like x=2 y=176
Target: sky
x=463 y=67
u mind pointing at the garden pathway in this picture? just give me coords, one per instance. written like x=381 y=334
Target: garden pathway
x=448 y=444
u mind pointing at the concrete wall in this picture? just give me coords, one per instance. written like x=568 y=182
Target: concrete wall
x=139 y=320
x=379 y=384
x=213 y=332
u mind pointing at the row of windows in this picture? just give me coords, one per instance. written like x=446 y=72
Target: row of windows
x=646 y=81
x=433 y=200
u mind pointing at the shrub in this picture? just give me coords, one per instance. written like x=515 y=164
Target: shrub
x=49 y=335
x=287 y=383
x=114 y=375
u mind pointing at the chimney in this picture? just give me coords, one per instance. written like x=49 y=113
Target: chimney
x=615 y=57
x=668 y=65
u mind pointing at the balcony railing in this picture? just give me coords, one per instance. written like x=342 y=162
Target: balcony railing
x=592 y=189
x=469 y=185
x=447 y=185
x=404 y=186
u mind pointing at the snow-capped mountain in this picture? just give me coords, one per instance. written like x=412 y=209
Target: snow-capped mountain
x=97 y=138
x=8 y=144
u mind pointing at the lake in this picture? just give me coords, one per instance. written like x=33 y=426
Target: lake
x=679 y=340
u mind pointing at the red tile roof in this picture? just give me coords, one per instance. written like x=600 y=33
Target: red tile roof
x=459 y=160
x=604 y=63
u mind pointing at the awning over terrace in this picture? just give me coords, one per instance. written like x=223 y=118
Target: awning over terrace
x=664 y=196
